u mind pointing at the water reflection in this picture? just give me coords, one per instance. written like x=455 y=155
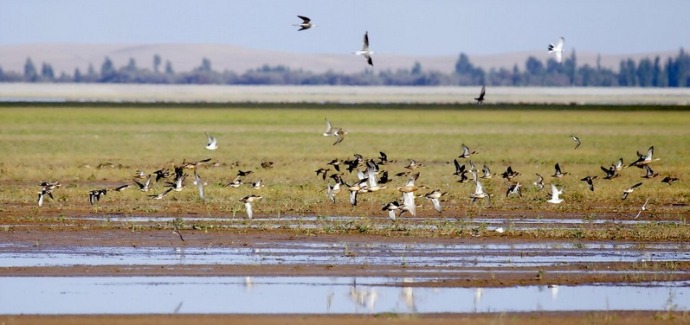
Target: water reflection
x=442 y=256
x=137 y=295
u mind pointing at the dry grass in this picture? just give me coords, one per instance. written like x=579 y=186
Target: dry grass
x=68 y=143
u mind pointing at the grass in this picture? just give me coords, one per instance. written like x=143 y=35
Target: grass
x=67 y=142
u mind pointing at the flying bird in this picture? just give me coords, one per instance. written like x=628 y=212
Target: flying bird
x=509 y=173
x=339 y=133
x=557 y=49
x=649 y=173
x=577 y=141
x=644 y=159
x=435 y=197
x=642 y=208
x=212 y=142
x=365 y=52
x=539 y=183
x=589 y=180
x=558 y=173
x=630 y=190
x=306 y=23
x=555 y=192
x=514 y=189
x=248 y=200
x=391 y=207
x=669 y=180
x=466 y=152
x=479 y=192
x=480 y=99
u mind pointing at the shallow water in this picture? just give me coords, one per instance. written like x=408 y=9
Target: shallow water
x=314 y=295
x=427 y=255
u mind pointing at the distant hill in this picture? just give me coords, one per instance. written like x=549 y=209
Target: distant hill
x=185 y=57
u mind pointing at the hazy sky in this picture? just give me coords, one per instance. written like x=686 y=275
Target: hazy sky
x=410 y=27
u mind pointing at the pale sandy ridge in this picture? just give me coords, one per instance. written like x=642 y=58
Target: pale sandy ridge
x=48 y=92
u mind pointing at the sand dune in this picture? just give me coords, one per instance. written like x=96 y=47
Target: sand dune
x=185 y=57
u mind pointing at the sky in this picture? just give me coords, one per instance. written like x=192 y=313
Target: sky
x=406 y=27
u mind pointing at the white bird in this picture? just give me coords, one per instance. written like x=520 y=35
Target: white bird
x=391 y=207
x=306 y=23
x=365 y=52
x=555 y=192
x=408 y=195
x=212 y=142
x=479 y=192
x=248 y=204
x=435 y=198
x=199 y=184
x=558 y=49
x=642 y=208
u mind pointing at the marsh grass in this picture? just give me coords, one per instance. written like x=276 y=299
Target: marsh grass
x=68 y=143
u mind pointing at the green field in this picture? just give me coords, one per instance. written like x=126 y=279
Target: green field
x=67 y=143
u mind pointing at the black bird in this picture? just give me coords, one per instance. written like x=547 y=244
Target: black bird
x=509 y=173
x=306 y=23
x=558 y=173
x=669 y=180
x=589 y=180
x=480 y=99
x=610 y=172
x=95 y=195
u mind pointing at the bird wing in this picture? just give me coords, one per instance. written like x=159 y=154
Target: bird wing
x=408 y=202
x=248 y=207
x=650 y=153
x=437 y=204
x=365 y=47
x=559 y=57
x=305 y=20
x=329 y=128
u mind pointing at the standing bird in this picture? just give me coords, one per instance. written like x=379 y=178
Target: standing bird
x=248 y=200
x=589 y=180
x=365 y=52
x=480 y=99
x=212 y=142
x=306 y=23
x=630 y=190
x=555 y=192
x=577 y=141
x=557 y=49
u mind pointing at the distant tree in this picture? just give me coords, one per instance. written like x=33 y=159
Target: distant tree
x=30 y=73
x=156 y=63
x=645 y=73
x=416 y=68
x=205 y=65
x=108 y=72
x=47 y=72
x=91 y=75
x=131 y=65
x=169 y=68
x=76 y=76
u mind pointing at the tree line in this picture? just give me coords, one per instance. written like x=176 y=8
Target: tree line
x=647 y=72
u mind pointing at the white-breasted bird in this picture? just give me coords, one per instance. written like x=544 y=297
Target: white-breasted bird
x=555 y=192
x=212 y=142
x=365 y=51
x=306 y=23
x=248 y=200
x=557 y=49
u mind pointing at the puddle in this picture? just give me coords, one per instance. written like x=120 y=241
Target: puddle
x=313 y=222
x=423 y=255
x=315 y=295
